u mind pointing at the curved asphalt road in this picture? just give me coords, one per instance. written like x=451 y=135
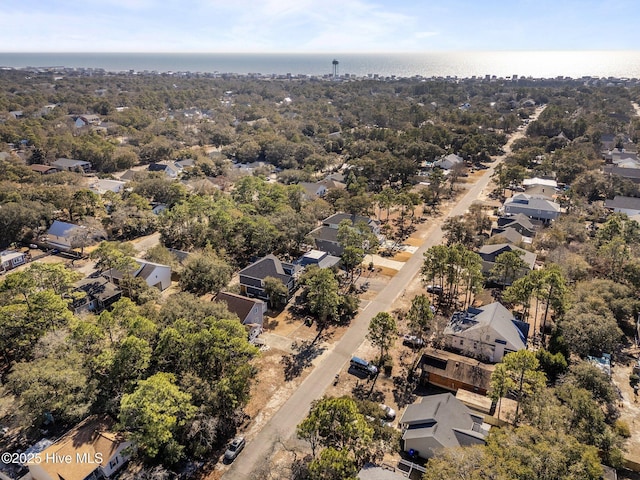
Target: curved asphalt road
x=282 y=425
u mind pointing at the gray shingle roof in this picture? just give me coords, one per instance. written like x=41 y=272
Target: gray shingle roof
x=336 y=218
x=533 y=202
x=490 y=252
x=69 y=163
x=439 y=417
x=518 y=218
x=493 y=319
x=325 y=233
x=622 y=172
x=619 y=201
x=268 y=266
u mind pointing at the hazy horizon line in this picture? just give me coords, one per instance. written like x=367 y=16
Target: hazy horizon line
x=293 y=52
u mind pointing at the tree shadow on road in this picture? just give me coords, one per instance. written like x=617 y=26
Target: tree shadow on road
x=304 y=352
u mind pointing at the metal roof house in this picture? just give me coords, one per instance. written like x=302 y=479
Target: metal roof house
x=63 y=235
x=104 y=185
x=448 y=162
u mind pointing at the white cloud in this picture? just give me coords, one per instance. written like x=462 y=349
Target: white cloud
x=426 y=34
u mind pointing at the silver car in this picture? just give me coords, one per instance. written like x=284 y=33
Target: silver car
x=234 y=449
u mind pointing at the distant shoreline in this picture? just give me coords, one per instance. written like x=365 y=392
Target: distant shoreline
x=453 y=65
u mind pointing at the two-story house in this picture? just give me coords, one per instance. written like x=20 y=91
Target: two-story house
x=250 y=311
x=488 y=332
x=326 y=235
x=490 y=253
x=537 y=207
x=90 y=450
x=252 y=277
x=438 y=422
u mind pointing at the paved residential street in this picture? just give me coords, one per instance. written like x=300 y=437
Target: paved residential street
x=283 y=423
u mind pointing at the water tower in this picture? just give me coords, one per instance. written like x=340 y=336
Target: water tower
x=335 y=68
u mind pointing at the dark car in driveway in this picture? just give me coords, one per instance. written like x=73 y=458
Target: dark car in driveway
x=234 y=449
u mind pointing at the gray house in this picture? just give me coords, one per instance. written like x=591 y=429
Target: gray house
x=488 y=332
x=510 y=235
x=319 y=258
x=71 y=165
x=621 y=204
x=632 y=174
x=440 y=421
x=326 y=235
x=489 y=254
x=533 y=206
x=521 y=223
x=252 y=277
x=95 y=295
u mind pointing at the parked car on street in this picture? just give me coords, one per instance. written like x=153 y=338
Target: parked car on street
x=362 y=365
x=234 y=449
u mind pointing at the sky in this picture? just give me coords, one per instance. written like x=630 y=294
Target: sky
x=301 y=26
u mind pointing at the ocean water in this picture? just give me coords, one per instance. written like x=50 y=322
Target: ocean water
x=536 y=64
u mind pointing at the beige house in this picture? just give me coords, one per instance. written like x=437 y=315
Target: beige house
x=90 y=450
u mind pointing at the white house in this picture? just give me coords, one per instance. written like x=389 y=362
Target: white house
x=488 y=332
x=89 y=450
x=540 y=186
x=533 y=206
x=105 y=185
x=448 y=162
x=154 y=274
x=63 y=235
x=11 y=259
x=314 y=190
